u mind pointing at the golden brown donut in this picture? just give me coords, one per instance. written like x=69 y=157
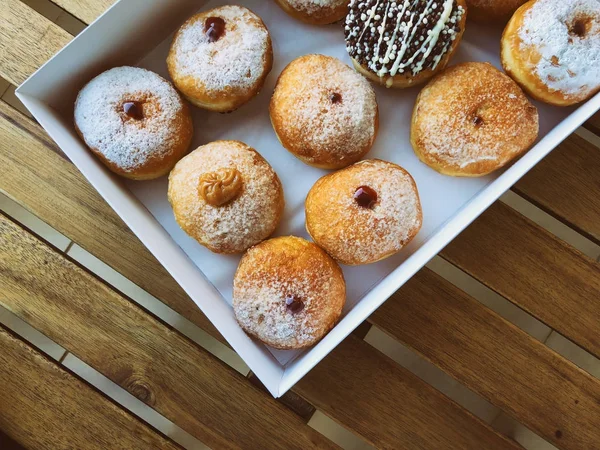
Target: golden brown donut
x=487 y=11
x=316 y=12
x=552 y=49
x=288 y=293
x=226 y=196
x=400 y=43
x=323 y=112
x=134 y=121
x=219 y=59
x=471 y=120
x=364 y=213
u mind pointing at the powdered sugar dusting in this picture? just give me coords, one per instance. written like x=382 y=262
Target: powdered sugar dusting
x=569 y=63
x=276 y=269
x=354 y=234
x=473 y=113
x=129 y=144
x=237 y=225
x=318 y=126
x=236 y=60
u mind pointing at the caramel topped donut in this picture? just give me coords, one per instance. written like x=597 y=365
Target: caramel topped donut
x=552 y=49
x=134 y=121
x=323 y=112
x=288 y=293
x=471 y=120
x=401 y=43
x=226 y=196
x=219 y=59
x=317 y=12
x=365 y=212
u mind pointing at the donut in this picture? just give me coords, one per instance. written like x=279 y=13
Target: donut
x=323 y=112
x=471 y=120
x=316 y=12
x=219 y=59
x=134 y=121
x=487 y=11
x=288 y=293
x=402 y=43
x=552 y=49
x=364 y=213
x=226 y=196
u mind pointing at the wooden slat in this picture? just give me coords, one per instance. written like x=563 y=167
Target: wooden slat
x=85 y=10
x=27 y=40
x=593 y=124
x=44 y=406
x=389 y=406
x=52 y=188
x=533 y=269
x=178 y=379
x=512 y=370
x=567 y=185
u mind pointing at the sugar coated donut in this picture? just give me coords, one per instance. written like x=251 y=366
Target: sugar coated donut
x=134 y=121
x=316 y=12
x=552 y=49
x=219 y=59
x=288 y=293
x=226 y=196
x=365 y=212
x=487 y=11
x=471 y=120
x=323 y=112
x=401 y=43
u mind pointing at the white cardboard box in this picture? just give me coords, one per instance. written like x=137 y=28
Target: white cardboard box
x=138 y=32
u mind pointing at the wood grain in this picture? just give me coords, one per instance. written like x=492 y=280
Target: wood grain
x=155 y=363
x=53 y=189
x=389 y=406
x=43 y=406
x=593 y=124
x=492 y=357
x=533 y=269
x=567 y=185
x=27 y=40
x=85 y=10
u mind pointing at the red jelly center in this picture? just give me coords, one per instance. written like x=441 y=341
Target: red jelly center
x=214 y=28
x=133 y=110
x=294 y=304
x=335 y=98
x=365 y=197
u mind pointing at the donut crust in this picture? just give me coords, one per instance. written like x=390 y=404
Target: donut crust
x=492 y=11
x=225 y=100
x=322 y=16
x=511 y=125
x=407 y=80
x=356 y=236
x=284 y=266
x=286 y=115
x=519 y=62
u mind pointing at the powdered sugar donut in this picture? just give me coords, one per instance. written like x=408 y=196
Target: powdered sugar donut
x=317 y=12
x=365 y=212
x=226 y=196
x=401 y=43
x=134 y=121
x=552 y=49
x=323 y=112
x=471 y=120
x=219 y=59
x=288 y=293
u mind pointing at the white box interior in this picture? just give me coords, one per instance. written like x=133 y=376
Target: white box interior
x=138 y=32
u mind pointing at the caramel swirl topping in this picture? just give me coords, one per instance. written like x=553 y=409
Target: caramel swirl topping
x=221 y=186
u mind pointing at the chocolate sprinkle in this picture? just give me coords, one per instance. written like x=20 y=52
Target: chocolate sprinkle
x=391 y=37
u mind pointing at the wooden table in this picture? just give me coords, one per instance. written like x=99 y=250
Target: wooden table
x=43 y=405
